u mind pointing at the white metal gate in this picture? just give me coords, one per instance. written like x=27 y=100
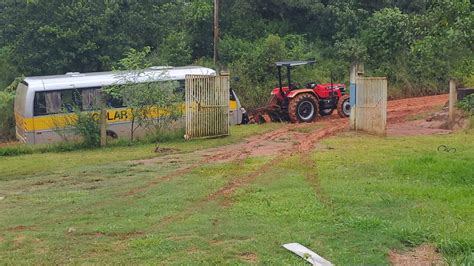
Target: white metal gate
x=207 y=106
x=371 y=104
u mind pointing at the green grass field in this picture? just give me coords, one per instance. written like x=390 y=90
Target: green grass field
x=352 y=200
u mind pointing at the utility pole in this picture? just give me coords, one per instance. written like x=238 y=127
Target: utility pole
x=216 y=30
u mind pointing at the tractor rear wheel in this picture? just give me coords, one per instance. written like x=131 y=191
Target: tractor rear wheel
x=344 y=106
x=303 y=108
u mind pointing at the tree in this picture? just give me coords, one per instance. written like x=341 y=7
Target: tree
x=52 y=37
x=7 y=120
x=148 y=102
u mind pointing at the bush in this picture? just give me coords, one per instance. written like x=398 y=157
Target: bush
x=87 y=126
x=7 y=122
x=467 y=104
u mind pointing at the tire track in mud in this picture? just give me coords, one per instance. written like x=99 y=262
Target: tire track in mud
x=398 y=109
x=303 y=146
x=233 y=152
x=297 y=143
x=305 y=143
x=283 y=141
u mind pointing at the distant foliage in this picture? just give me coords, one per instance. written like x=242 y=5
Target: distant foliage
x=174 y=51
x=7 y=122
x=7 y=118
x=467 y=104
x=419 y=45
x=256 y=67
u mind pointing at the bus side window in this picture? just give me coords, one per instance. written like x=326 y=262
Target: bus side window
x=70 y=99
x=54 y=102
x=39 y=107
x=114 y=103
x=47 y=103
x=180 y=88
x=91 y=98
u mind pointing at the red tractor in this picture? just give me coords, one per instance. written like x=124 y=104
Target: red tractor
x=302 y=104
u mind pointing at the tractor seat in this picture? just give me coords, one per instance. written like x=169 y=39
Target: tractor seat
x=294 y=86
x=311 y=85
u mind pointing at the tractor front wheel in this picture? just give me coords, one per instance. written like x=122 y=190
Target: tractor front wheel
x=344 y=106
x=303 y=108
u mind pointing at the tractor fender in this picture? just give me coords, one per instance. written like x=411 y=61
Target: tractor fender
x=293 y=93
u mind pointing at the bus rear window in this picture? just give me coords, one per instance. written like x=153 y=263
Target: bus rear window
x=20 y=97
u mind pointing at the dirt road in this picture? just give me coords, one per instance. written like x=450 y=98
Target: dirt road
x=302 y=137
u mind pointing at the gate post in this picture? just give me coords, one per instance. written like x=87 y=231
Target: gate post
x=357 y=70
x=371 y=107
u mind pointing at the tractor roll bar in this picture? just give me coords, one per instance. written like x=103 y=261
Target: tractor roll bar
x=279 y=80
x=288 y=65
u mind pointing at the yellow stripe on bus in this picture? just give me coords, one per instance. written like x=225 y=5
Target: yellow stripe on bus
x=59 y=121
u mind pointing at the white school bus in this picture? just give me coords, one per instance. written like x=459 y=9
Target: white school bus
x=44 y=104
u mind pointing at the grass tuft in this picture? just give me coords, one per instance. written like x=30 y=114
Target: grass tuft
x=413 y=237
x=458 y=252
x=367 y=223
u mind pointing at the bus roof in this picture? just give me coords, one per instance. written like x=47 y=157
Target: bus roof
x=72 y=80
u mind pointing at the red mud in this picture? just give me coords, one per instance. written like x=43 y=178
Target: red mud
x=412 y=129
x=422 y=255
x=22 y=228
x=399 y=110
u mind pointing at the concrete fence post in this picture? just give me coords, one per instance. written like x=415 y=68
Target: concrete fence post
x=452 y=100
x=103 y=127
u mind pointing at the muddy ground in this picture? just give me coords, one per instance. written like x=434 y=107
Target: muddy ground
x=414 y=116
x=298 y=139
x=405 y=117
x=425 y=255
